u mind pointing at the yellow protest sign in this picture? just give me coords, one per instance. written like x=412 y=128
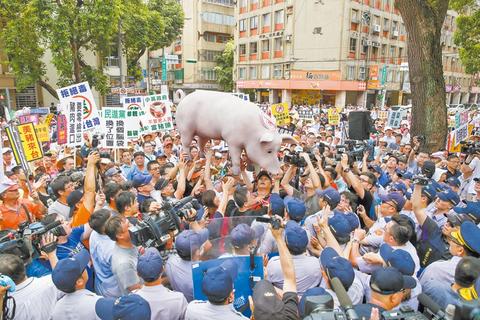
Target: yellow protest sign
x=280 y=112
x=43 y=132
x=333 y=117
x=49 y=118
x=30 y=143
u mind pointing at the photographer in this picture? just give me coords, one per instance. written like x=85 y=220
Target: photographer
x=35 y=298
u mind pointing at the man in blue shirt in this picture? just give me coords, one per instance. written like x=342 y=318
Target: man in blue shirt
x=139 y=167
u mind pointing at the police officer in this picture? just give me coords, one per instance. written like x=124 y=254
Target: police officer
x=217 y=285
x=70 y=276
x=130 y=306
x=330 y=197
x=307 y=268
x=446 y=201
x=244 y=238
x=164 y=304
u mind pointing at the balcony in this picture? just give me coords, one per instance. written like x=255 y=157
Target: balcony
x=112 y=62
x=278 y=26
x=242 y=58
x=265 y=3
x=253 y=6
x=243 y=10
x=253 y=32
x=253 y=56
x=278 y=54
x=266 y=29
x=242 y=34
x=265 y=55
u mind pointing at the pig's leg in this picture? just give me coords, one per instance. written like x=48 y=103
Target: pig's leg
x=201 y=145
x=235 y=154
x=186 y=138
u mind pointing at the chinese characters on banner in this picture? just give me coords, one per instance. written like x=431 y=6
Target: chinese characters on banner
x=382 y=114
x=461 y=126
x=28 y=118
x=333 y=117
x=30 y=144
x=134 y=108
x=82 y=94
x=157 y=114
x=43 y=132
x=395 y=117
x=281 y=114
x=115 y=128
x=74 y=127
x=62 y=129
x=305 y=115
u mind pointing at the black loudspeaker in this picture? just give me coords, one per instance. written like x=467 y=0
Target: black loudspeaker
x=359 y=125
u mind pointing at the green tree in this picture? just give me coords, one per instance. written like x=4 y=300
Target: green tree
x=224 y=68
x=67 y=29
x=423 y=21
x=467 y=35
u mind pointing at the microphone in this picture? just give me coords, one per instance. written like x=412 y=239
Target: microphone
x=344 y=299
x=432 y=306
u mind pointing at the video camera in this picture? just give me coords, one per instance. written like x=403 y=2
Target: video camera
x=354 y=149
x=155 y=229
x=274 y=221
x=297 y=160
x=26 y=242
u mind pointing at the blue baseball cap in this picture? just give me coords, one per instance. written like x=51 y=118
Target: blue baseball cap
x=276 y=205
x=317 y=291
x=217 y=283
x=243 y=234
x=150 y=265
x=140 y=180
x=295 y=237
x=449 y=196
x=399 y=186
x=377 y=168
x=295 y=208
x=404 y=174
x=188 y=241
x=395 y=197
x=468 y=236
x=452 y=181
x=389 y=280
x=336 y=266
x=130 y=306
x=67 y=271
x=429 y=191
x=399 y=259
x=472 y=210
x=330 y=195
x=437 y=186
x=342 y=224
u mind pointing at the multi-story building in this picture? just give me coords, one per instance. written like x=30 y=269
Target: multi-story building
x=208 y=26
x=337 y=52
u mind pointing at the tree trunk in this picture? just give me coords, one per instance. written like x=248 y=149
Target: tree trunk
x=48 y=87
x=76 y=61
x=423 y=22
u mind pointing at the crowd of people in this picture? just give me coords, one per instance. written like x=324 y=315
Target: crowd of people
x=390 y=221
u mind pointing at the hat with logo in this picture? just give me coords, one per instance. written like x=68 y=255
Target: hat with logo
x=396 y=198
x=150 y=265
x=295 y=237
x=337 y=267
x=140 y=180
x=399 y=259
x=67 y=271
x=429 y=191
x=243 y=234
x=454 y=182
x=188 y=241
x=399 y=186
x=276 y=205
x=330 y=195
x=389 y=280
x=376 y=168
x=112 y=171
x=267 y=303
x=327 y=300
x=342 y=224
x=429 y=168
x=217 y=283
x=295 y=208
x=471 y=209
x=130 y=306
x=404 y=174
x=468 y=236
x=449 y=196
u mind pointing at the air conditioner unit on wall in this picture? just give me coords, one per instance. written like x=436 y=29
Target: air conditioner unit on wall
x=376 y=28
x=288 y=37
x=395 y=33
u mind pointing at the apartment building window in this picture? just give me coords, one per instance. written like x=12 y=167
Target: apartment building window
x=28 y=97
x=242 y=49
x=394 y=26
x=243 y=3
x=253 y=47
x=279 y=17
x=398 y=76
x=384 y=4
x=266 y=20
x=354 y=16
x=223 y=38
x=277 y=71
x=364 y=49
x=353 y=44
x=389 y=75
x=210 y=55
x=384 y=51
x=266 y=72
x=386 y=24
x=361 y=73
x=376 y=20
x=265 y=45
x=218 y=18
x=254 y=22
x=210 y=37
x=392 y=51
x=209 y=74
x=350 y=72
x=241 y=73
x=242 y=25
x=400 y=53
x=278 y=44
x=229 y=3
x=253 y=73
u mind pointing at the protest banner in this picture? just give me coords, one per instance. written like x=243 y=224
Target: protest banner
x=280 y=112
x=157 y=114
x=305 y=115
x=333 y=117
x=82 y=94
x=43 y=132
x=26 y=118
x=382 y=114
x=116 y=129
x=461 y=127
x=75 y=127
x=134 y=108
x=29 y=143
x=62 y=130
x=395 y=118
x=49 y=119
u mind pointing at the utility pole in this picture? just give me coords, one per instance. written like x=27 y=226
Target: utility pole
x=366 y=20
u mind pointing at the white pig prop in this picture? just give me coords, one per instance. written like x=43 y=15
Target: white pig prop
x=217 y=115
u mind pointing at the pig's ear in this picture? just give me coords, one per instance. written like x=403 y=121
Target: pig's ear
x=286 y=138
x=267 y=137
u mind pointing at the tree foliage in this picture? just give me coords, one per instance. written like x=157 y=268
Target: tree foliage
x=68 y=29
x=467 y=35
x=224 y=68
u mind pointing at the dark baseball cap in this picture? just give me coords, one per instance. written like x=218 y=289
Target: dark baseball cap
x=188 y=241
x=331 y=196
x=264 y=173
x=140 y=180
x=337 y=267
x=217 y=283
x=295 y=208
x=150 y=265
x=429 y=191
x=450 y=196
x=399 y=259
x=295 y=237
x=389 y=280
x=276 y=205
x=342 y=224
x=67 y=271
x=429 y=168
x=74 y=198
x=268 y=305
x=243 y=234
x=471 y=209
x=130 y=306
x=395 y=197
x=112 y=171
x=452 y=181
x=328 y=302
x=468 y=236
